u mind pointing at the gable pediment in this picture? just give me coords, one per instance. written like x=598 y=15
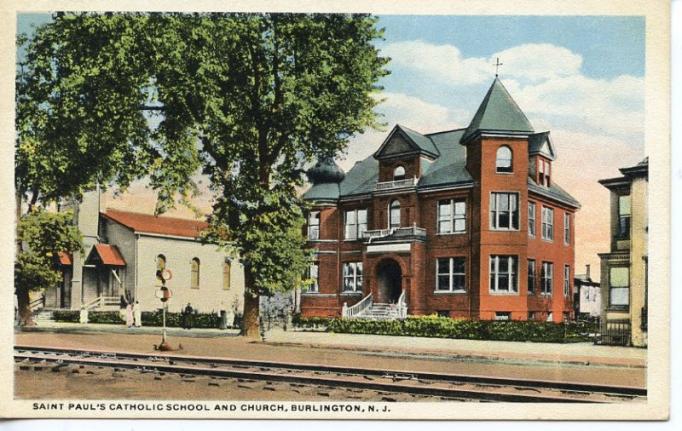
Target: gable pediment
x=399 y=143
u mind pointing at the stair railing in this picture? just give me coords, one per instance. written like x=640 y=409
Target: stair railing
x=95 y=303
x=355 y=310
x=402 y=306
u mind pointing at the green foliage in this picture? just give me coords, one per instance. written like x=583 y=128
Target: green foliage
x=149 y=318
x=310 y=322
x=444 y=327
x=43 y=234
x=251 y=98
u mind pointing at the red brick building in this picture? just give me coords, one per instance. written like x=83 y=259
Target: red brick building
x=467 y=223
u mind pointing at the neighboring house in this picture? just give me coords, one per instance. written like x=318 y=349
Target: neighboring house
x=587 y=296
x=624 y=269
x=466 y=223
x=123 y=252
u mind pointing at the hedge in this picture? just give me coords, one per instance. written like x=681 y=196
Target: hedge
x=149 y=318
x=445 y=327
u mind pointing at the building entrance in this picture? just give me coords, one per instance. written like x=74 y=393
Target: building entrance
x=389 y=281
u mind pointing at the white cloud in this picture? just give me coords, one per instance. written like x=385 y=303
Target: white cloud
x=545 y=80
x=442 y=62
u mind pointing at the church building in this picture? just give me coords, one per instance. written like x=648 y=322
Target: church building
x=126 y=251
x=466 y=223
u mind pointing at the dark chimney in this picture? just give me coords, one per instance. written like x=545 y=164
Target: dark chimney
x=587 y=271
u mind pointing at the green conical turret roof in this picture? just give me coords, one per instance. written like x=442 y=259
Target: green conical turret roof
x=498 y=113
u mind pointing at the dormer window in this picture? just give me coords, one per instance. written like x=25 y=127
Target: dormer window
x=544 y=172
x=503 y=162
x=399 y=173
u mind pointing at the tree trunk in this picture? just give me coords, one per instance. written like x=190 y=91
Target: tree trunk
x=250 y=325
x=24 y=306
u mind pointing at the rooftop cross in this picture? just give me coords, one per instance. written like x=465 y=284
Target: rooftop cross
x=497 y=66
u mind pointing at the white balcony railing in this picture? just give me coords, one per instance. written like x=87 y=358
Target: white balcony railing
x=396 y=232
x=398 y=184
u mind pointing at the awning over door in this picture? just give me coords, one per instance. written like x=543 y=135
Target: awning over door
x=105 y=254
x=65 y=258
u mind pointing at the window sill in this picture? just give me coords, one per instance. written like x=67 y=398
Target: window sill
x=548 y=240
x=493 y=229
x=501 y=293
x=450 y=233
x=619 y=308
x=449 y=292
x=355 y=293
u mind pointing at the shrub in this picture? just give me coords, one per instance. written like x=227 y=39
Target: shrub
x=149 y=318
x=310 y=322
x=445 y=327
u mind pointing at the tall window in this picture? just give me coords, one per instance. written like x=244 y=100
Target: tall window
x=160 y=266
x=227 y=274
x=355 y=224
x=399 y=173
x=503 y=274
x=352 y=277
x=532 y=276
x=544 y=172
x=531 y=218
x=624 y=216
x=503 y=162
x=567 y=228
x=450 y=274
x=504 y=211
x=314 y=225
x=619 y=287
x=314 y=275
x=451 y=216
x=195 y=276
x=546 y=278
x=567 y=280
x=394 y=214
x=547 y=223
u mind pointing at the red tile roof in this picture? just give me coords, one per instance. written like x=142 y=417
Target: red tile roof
x=110 y=255
x=147 y=223
x=65 y=258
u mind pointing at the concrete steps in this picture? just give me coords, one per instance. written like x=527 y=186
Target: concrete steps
x=380 y=311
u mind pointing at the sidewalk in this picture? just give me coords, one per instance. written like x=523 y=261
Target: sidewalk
x=436 y=349
x=98 y=328
x=445 y=348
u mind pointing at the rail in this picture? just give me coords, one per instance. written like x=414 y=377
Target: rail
x=402 y=306
x=355 y=310
x=101 y=301
x=398 y=184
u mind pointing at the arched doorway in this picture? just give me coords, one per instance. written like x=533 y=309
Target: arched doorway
x=389 y=282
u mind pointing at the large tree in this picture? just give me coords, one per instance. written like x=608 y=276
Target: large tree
x=252 y=98
x=43 y=236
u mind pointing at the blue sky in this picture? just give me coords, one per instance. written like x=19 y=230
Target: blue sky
x=580 y=77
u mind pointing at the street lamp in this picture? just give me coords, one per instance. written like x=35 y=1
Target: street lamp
x=164 y=294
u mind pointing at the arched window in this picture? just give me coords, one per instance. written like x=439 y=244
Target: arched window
x=160 y=266
x=227 y=268
x=503 y=163
x=394 y=214
x=399 y=173
x=196 y=268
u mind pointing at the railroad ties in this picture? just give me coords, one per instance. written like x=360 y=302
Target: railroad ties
x=323 y=381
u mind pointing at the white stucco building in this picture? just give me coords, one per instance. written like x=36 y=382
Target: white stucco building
x=124 y=252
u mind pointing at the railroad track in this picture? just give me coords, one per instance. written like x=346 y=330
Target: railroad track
x=425 y=384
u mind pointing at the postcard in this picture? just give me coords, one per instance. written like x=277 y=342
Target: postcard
x=373 y=210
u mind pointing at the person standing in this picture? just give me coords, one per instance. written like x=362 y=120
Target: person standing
x=137 y=314
x=129 y=315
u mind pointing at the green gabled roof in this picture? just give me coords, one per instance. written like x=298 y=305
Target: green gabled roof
x=540 y=143
x=498 y=113
x=423 y=142
x=419 y=143
x=450 y=167
x=361 y=178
